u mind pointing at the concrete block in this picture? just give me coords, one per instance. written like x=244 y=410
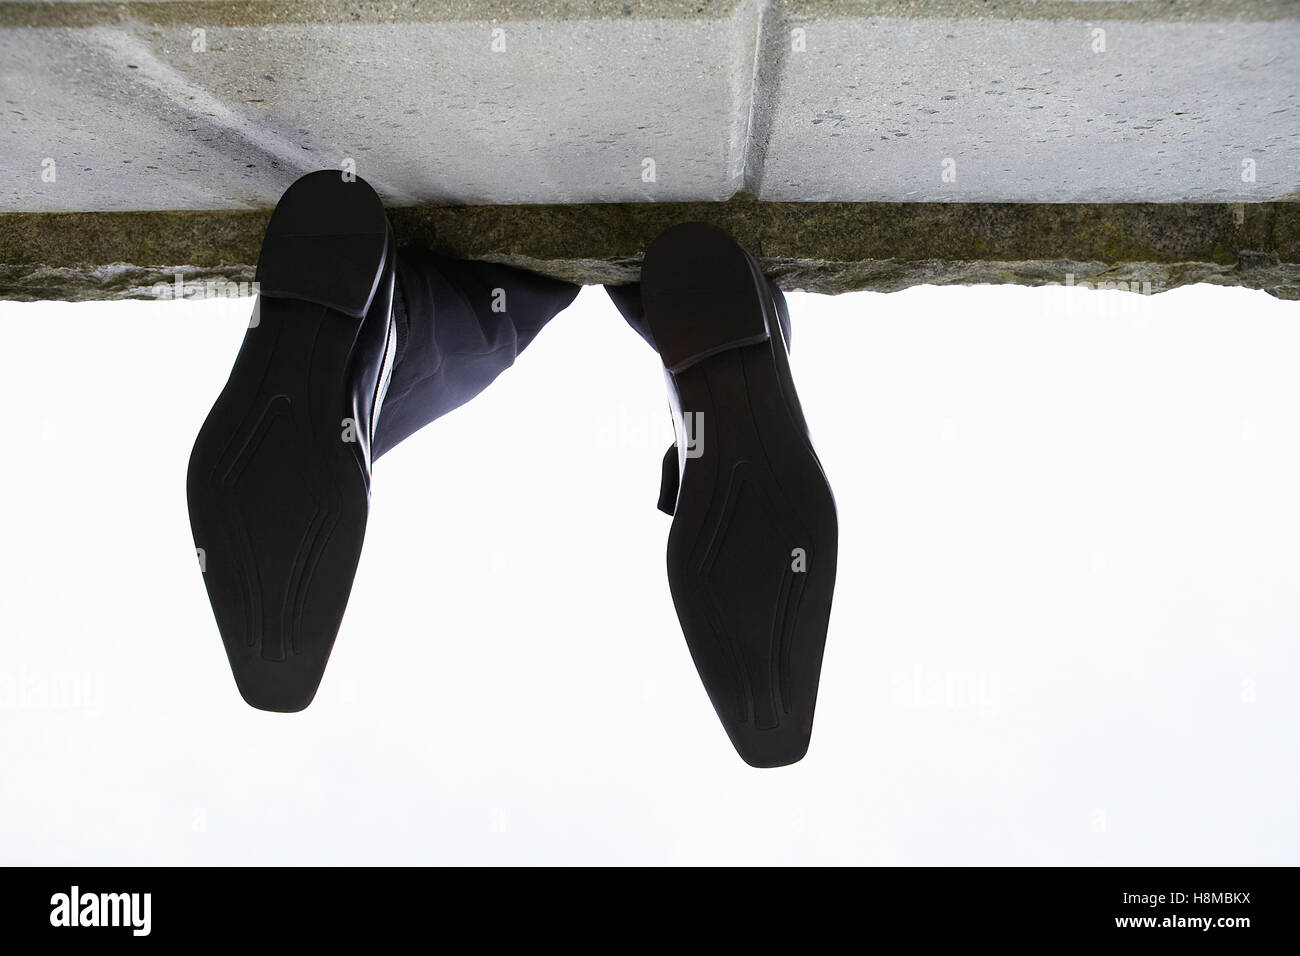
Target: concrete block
x=1085 y=107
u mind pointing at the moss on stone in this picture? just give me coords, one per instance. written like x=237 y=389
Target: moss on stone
x=824 y=247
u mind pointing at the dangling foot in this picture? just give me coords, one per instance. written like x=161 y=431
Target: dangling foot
x=279 y=478
x=752 y=550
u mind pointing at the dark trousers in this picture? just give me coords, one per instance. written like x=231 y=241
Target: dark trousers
x=460 y=324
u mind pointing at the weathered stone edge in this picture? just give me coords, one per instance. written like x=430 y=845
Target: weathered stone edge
x=822 y=247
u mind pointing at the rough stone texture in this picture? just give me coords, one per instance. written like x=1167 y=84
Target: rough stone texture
x=838 y=115
x=1027 y=111
x=136 y=119
x=820 y=247
x=868 y=110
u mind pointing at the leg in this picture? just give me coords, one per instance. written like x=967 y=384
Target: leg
x=459 y=326
x=356 y=347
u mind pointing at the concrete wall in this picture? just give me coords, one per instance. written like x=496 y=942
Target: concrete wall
x=191 y=107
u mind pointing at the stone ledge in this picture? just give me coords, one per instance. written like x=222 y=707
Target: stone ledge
x=820 y=247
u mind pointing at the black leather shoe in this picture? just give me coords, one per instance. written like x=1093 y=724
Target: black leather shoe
x=279 y=479
x=752 y=550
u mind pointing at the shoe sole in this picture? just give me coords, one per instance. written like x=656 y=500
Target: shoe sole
x=278 y=498
x=752 y=550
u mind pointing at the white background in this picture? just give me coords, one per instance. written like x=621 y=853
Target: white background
x=1065 y=629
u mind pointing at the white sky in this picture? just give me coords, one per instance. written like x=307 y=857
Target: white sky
x=1065 y=629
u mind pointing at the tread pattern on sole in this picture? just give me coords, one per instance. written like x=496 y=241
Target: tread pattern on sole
x=750 y=542
x=752 y=548
x=282 y=503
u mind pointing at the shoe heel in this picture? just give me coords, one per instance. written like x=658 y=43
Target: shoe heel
x=701 y=293
x=326 y=243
